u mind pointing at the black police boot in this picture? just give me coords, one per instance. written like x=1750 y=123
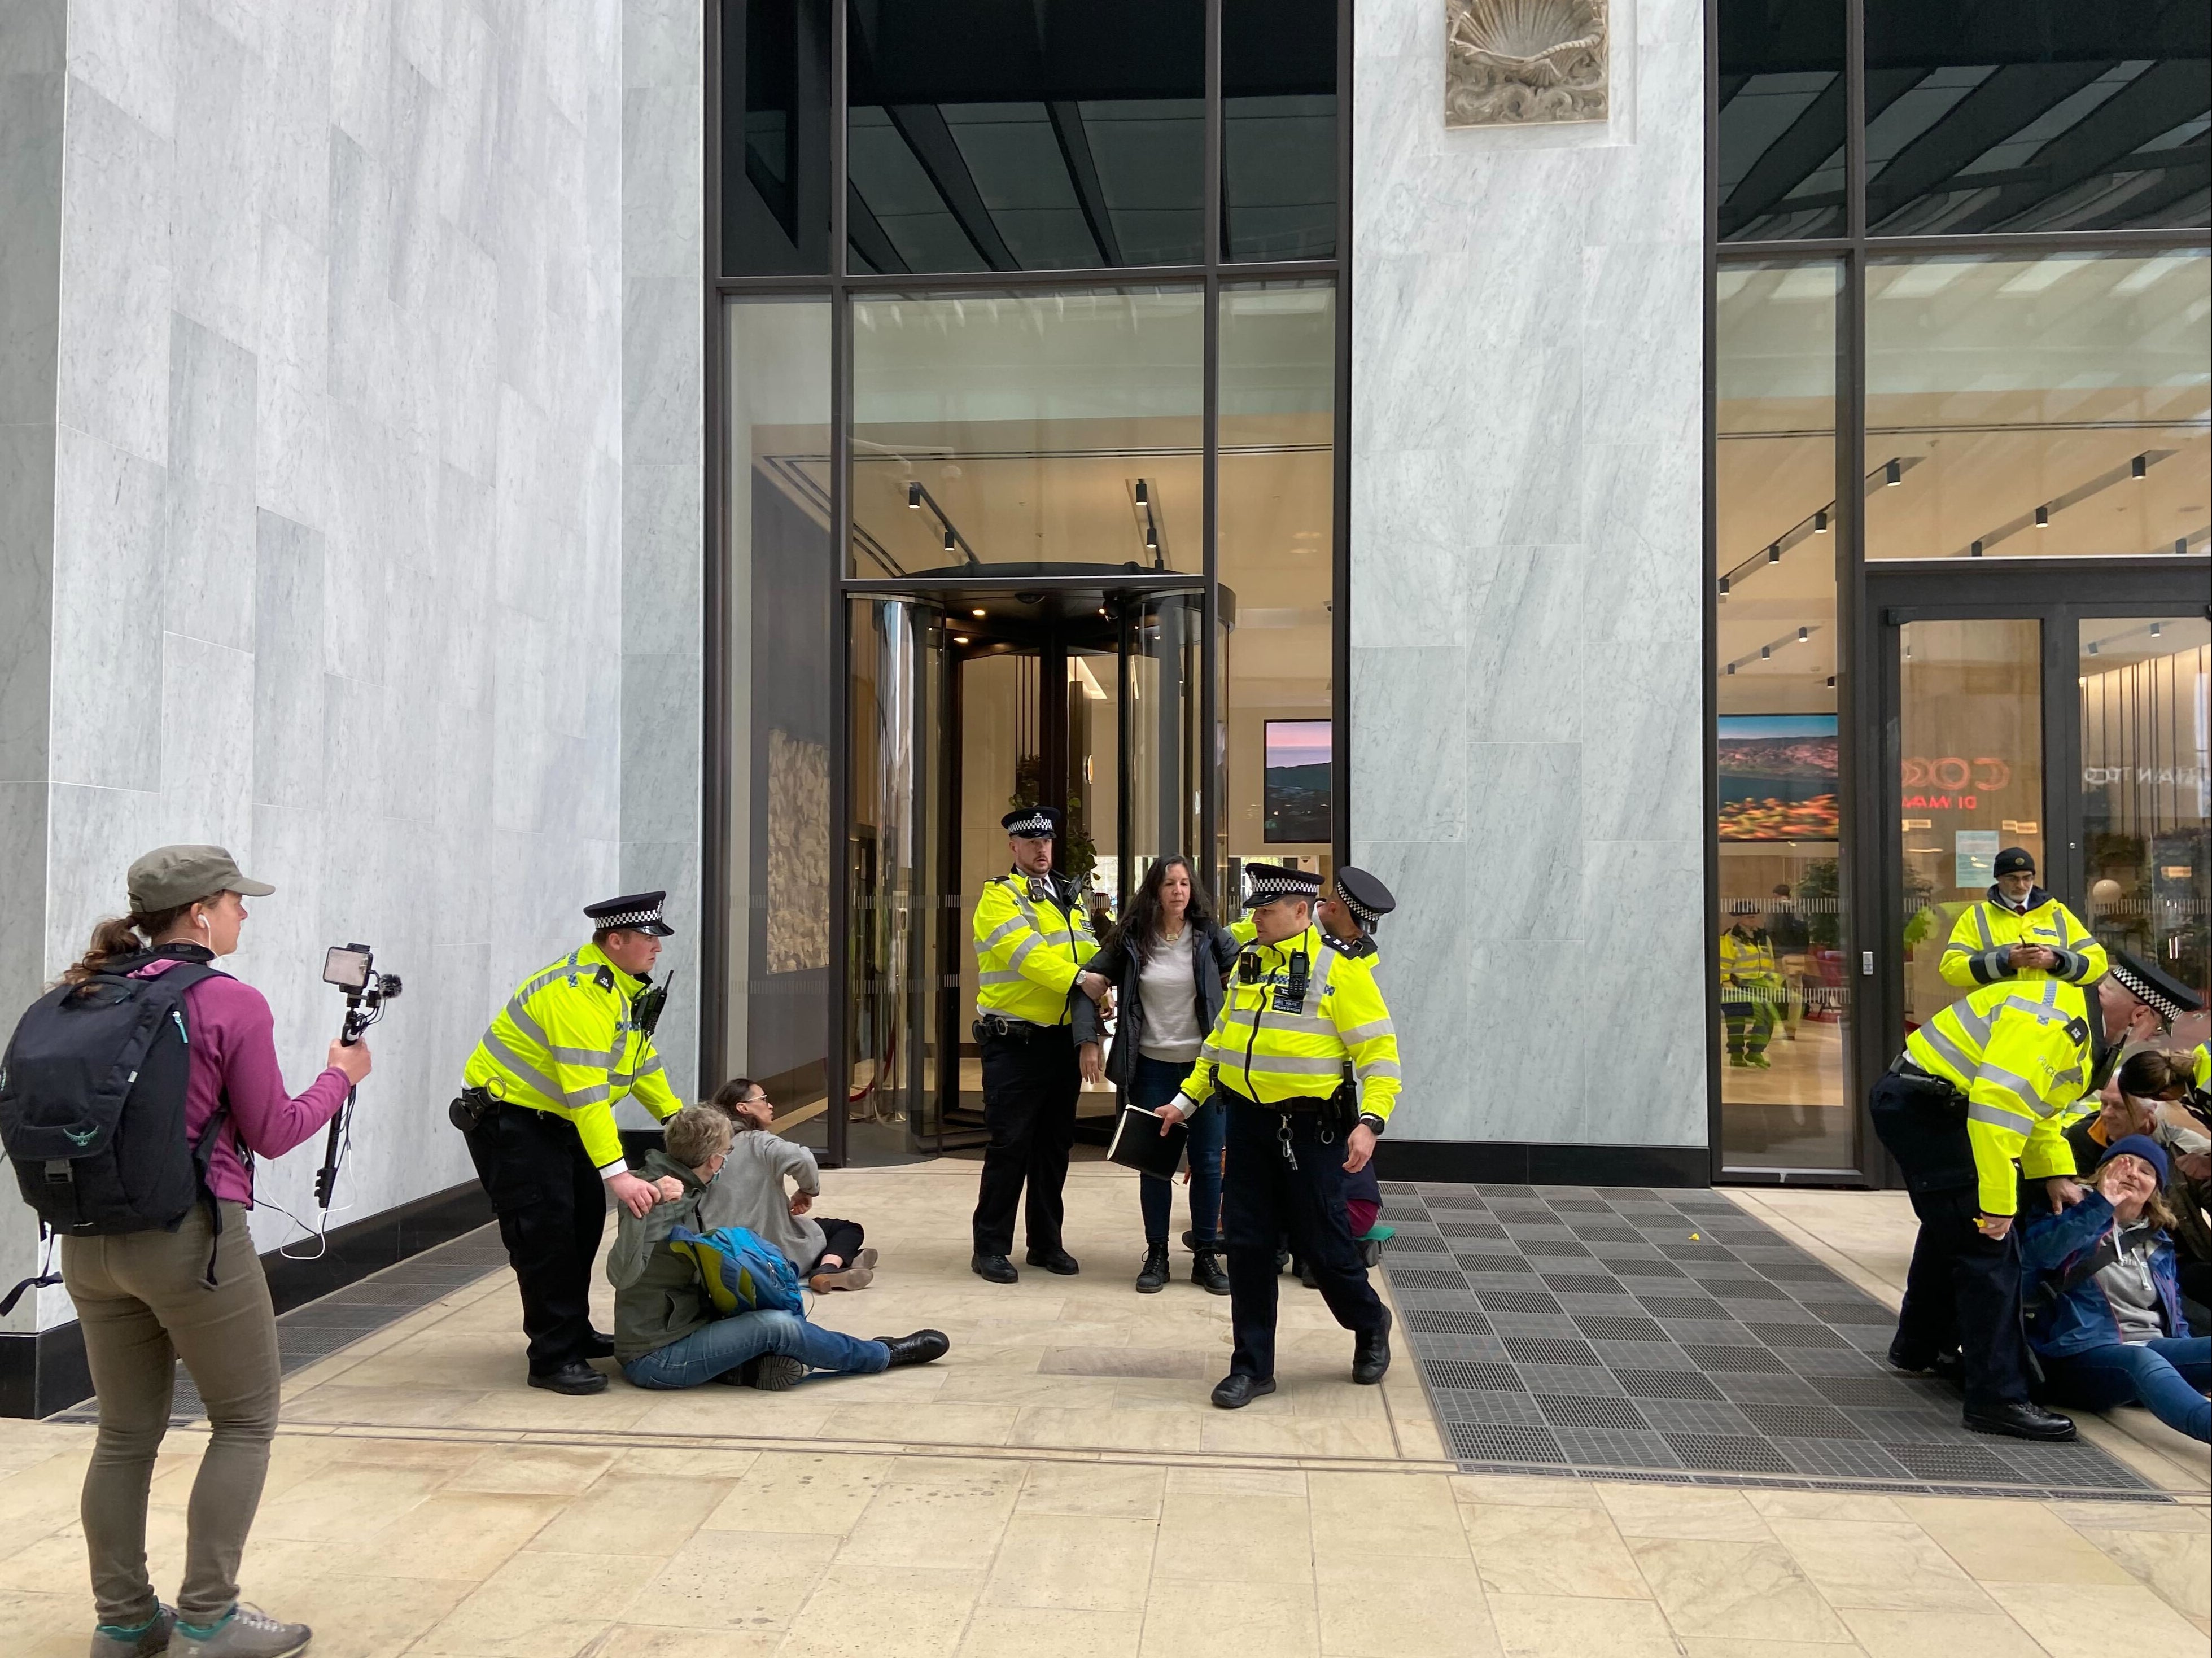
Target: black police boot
x=918 y=1348
x=2020 y=1420
x=1054 y=1260
x=995 y=1268
x=1152 y=1276
x=1371 y=1353
x=573 y=1377
x=599 y=1346
x=1370 y=1253
x=1306 y=1274
x=1235 y=1391
x=1207 y=1272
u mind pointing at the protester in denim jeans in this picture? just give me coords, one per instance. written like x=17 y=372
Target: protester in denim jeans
x=1164 y=969
x=666 y=1333
x=2105 y=1307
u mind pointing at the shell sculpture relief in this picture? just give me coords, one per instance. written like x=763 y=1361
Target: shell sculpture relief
x=1511 y=63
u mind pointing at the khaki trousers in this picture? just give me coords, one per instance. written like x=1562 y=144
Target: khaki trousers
x=144 y=1302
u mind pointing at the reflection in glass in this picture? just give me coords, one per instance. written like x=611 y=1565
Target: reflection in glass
x=1279 y=129
x=2021 y=406
x=2035 y=115
x=1025 y=135
x=1277 y=477
x=775 y=137
x=2146 y=685
x=1781 y=102
x=1034 y=432
x=1970 y=737
x=1785 y=995
x=777 y=625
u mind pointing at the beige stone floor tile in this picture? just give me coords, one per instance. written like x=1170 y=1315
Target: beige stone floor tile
x=533 y=1408
x=625 y=1514
x=1115 y=1429
x=1037 y=1632
x=932 y=1423
x=1240 y=1539
x=367 y=1617
x=1825 y=1505
x=1110 y=1491
x=1899 y=1567
x=962 y=1476
x=992 y=1386
x=29 y=1615
x=389 y=1407
x=1887 y=1633
x=2078 y=1621
x=1443 y=1615
x=1715 y=1516
x=2177 y=1565
x=668 y=1462
x=462 y=1535
x=950 y=1525
x=1337 y=1402
x=645 y=1641
x=1568 y=1626
x=799 y=1491
x=1255 y=1431
x=1409 y=1514
x=1081 y=1561
x=1524 y=1490
x=535 y=1604
x=722 y=1580
x=917 y=1613
x=534 y=1470
x=346 y=1503
x=2136 y=1516
x=40 y=1566
x=1573 y=1552
x=1725 y=1646
x=2009 y=1542
x=1201 y=1479
x=1750 y=1591
x=1192 y=1617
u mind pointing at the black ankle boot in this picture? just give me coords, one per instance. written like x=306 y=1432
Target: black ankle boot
x=918 y=1348
x=1207 y=1273
x=1152 y=1276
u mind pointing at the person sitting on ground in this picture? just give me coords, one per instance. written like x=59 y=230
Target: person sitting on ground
x=666 y=1334
x=2149 y=1095
x=2106 y=1318
x=826 y=1253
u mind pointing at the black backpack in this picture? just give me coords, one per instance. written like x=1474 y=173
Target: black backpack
x=92 y=1101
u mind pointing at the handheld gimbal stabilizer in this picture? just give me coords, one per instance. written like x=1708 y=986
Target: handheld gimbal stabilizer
x=352 y=969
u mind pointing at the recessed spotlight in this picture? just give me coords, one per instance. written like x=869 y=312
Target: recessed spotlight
x=978 y=613
x=1893 y=474
x=913 y=495
x=1774 y=553
x=2043 y=517
x=2138 y=466
x=1804 y=633
x=960 y=639
x=1821 y=522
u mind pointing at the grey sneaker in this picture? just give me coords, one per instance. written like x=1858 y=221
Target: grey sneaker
x=109 y=1642
x=248 y=1633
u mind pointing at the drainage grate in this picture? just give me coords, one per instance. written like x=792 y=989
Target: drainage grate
x=1602 y=1327
x=1446 y=1321
x=1966 y=1462
x=1795 y=1335
x=1472 y=1229
x=1850 y=1312
x=1797 y=1421
x=1609 y=1234
x=1584 y=1411
x=1664 y=1384
x=1471 y=1373
x=1574 y=1284
x=1548 y=1349
x=1646 y=1269
x=1516 y=1300
x=1457 y=1200
x=1727 y=1453
x=1417 y=1244
x=1554 y=1246
x=1798 y=1271
x=1740 y=1361
x=1682 y=1307
x=1418 y=1280
x=1506 y=1442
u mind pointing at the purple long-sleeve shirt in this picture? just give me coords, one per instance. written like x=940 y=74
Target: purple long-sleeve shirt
x=233 y=1055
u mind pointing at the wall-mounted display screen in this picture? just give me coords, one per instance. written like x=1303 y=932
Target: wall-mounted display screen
x=1297 y=786
x=1778 y=777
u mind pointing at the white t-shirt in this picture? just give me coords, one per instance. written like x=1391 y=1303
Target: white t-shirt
x=1168 y=987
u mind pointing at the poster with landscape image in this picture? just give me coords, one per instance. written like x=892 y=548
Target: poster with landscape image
x=1778 y=777
x=1296 y=780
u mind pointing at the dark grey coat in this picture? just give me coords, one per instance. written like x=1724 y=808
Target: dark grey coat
x=1213 y=954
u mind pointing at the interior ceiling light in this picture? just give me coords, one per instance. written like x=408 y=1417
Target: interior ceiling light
x=2043 y=517
x=1731 y=667
x=1976 y=551
x=951 y=542
x=1821 y=522
x=1765 y=652
x=2156 y=627
x=2092 y=647
x=1893 y=474
x=1831 y=682
x=2138 y=466
x=913 y=495
x=1724 y=585
x=960 y=639
x=2181 y=543
x=978 y=613
x=1774 y=553
x=1804 y=633
x=1143 y=497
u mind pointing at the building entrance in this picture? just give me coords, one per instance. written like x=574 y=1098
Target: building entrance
x=967 y=701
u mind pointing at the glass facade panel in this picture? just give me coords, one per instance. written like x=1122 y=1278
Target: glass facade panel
x=2146 y=684
x=1970 y=776
x=1279 y=129
x=1784 y=994
x=2028 y=405
x=1028 y=433
x=777 y=662
x=1781 y=106
x=1025 y=135
x=1276 y=478
x=2035 y=115
x=775 y=137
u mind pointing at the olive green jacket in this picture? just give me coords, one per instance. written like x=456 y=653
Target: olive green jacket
x=658 y=1297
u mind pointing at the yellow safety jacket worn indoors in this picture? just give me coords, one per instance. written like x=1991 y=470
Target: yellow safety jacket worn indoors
x=566 y=1043
x=1267 y=1050
x=1748 y=972
x=1030 y=945
x=1984 y=932
x=2021 y=1056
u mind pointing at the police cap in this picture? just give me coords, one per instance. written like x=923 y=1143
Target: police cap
x=2163 y=994
x=633 y=911
x=1365 y=896
x=1033 y=822
x=1269 y=881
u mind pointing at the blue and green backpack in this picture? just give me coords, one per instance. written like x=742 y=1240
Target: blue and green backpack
x=743 y=1273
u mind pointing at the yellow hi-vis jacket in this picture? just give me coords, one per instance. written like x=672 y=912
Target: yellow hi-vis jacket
x=565 y=1043
x=2200 y=1067
x=1271 y=1053
x=1029 y=948
x=1747 y=969
x=1984 y=932
x=2020 y=1053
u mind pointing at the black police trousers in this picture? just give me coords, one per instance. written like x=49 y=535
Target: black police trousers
x=552 y=1207
x=1963 y=1289
x=1029 y=1107
x=1263 y=1198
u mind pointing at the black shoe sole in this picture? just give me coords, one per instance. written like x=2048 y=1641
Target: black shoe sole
x=574 y=1389
x=1260 y=1390
x=1059 y=1271
x=1145 y=1288
x=1997 y=1430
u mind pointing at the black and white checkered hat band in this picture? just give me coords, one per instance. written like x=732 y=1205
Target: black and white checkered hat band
x=628 y=918
x=2146 y=992
x=1039 y=824
x=1271 y=885
x=1367 y=916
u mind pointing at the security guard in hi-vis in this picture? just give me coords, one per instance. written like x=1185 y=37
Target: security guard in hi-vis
x=538 y=1109
x=2019 y=931
x=1032 y=937
x=1977 y=1105
x=1297 y=1010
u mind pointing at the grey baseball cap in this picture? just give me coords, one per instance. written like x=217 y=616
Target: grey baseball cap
x=170 y=876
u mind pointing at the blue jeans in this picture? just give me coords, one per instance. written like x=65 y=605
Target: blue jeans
x=2167 y=1377
x=1156 y=1083
x=726 y=1342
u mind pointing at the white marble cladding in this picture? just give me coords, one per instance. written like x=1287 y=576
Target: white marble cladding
x=337 y=490
x=663 y=507
x=1527 y=697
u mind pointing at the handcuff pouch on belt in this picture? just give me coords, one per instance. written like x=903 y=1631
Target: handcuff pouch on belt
x=997 y=1024
x=472 y=1107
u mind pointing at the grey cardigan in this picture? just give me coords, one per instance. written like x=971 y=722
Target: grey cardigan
x=751 y=1194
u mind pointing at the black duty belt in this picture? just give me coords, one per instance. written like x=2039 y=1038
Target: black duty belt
x=1902 y=1066
x=1011 y=1030
x=1297 y=1105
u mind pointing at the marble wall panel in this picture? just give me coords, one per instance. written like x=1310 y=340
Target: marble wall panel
x=208 y=583
x=30 y=99
x=27 y=620
x=222 y=123
x=109 y=519
x=126 y=51
x=288 y=663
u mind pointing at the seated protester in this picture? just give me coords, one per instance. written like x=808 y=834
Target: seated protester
x=2150 y=1096
x=826 y=1254
x=2104 y=1309
x=666 y=1334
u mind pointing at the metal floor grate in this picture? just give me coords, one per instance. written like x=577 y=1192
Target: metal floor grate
x=1730 y=1357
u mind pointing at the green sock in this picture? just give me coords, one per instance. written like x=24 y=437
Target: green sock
x=201 y=1631
x=126 y=1631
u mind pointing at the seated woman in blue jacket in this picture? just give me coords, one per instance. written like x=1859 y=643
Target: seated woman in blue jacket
x=2104 y=1303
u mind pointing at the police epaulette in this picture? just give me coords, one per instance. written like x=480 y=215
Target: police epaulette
x=605 y=977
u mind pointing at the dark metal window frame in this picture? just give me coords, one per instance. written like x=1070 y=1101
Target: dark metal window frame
x=840 y=287
x=1866 y=700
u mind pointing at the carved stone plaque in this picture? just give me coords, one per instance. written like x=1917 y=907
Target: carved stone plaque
x=1524 y=62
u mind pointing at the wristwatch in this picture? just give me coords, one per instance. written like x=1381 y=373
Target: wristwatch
x=1373 y=1122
